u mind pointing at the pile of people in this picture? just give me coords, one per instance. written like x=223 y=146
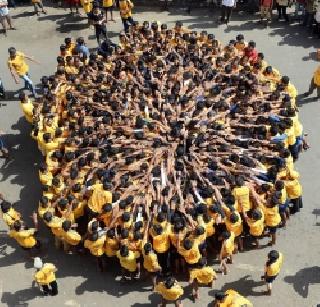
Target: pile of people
x=166 y=151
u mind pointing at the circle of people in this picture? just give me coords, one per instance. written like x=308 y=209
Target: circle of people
x=167 y=151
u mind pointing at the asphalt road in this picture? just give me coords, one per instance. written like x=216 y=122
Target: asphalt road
x=289 y=48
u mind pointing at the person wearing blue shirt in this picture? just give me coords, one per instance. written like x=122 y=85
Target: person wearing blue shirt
x=81 y=47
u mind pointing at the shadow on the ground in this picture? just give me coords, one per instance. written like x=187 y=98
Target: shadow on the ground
x=19 y=298
x=303 y=279
x=245 y=285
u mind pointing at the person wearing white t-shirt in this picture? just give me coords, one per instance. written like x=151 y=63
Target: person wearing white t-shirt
x=5 y=17
x=226 y=9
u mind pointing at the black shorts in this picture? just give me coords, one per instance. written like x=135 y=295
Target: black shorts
x=272 y=229
x=270 y=279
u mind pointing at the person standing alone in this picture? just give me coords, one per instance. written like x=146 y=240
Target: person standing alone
x=19 y=68
x=226 y=10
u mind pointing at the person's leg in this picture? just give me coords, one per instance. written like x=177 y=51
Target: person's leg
x=279 y=11
x=286 y=17
x=125 y=25
x=312 y=87
x=35 y=7
x=4 y=24
x=45 y=289
x=229 y=10
x=28 y=84
x=42 y=7
x=111 y=13
x=9 y=21
x=318 y=91
x=223 y=13
x=195 y=289
x=54 y=288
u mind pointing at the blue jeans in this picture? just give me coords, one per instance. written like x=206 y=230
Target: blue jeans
x=126 y=23
x=28 y=84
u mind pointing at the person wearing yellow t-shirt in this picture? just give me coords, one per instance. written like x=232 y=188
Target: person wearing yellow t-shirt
x=100 y=195
x=128 y=262
x=272 y=217
x=315 y=84
x=272 y=268
x=20 y=69
x=231 y=298
x=108 y=7
x=242 y=195
x=255 y=222
x=294 y=191
x=8 y=213
x=227 y=248
x=70 y=237
x=234 y=224
x=24 y=237
x=46 y=277
x=190 y=251
x=95 y=244
x=161 y=244
x=150 y=263
x=26 y=106
x=111 y=243
x=170 y=291
x=201 y=274
x=55 y=224
x=288 y=87
x=125 y=7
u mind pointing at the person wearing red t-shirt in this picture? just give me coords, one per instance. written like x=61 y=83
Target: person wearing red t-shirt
x=251 y=52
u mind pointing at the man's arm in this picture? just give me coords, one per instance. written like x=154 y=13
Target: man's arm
x=31 y=59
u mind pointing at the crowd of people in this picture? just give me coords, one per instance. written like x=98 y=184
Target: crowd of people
x=306 y=12
x=167 y=151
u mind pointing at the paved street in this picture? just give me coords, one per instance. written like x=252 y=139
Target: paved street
x=289 y=48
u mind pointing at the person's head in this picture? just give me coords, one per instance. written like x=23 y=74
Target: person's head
x=234 y=217
x=273 y=255
x=111 y=233
x=169 y=282
x=147 y=248
x=256 y=215
x=225 y=235
x=239 y=181
x=124 y=250
x=251 y=45
x=94 y=236
x=202 y=262
x=187 y=244
x=5 y=206
x=199 y=231
x=44 y=201
x=17 y=225
x=157 y=229
x=285 y=80
x=66 y=225
x=220 y=296
x=12 y=52
x=279 y=185
x=106 y=208
x=124 y=233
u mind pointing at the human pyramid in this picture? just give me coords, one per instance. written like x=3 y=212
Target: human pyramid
x=166 y=151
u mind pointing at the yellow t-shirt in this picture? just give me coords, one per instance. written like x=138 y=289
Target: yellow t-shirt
x=111 y=247
x=107 y=3
x=55 y=226
x=95 y=247
x=46 y=274
x=192 y=255
x=24 y=238
x=228 y=245
x=293 y=188
x=274 y=268
x=160 y=243
x=72 y=237
x=150 y=262
x=256 y=227
x=236 y=228
x=87 y=5
x=242 y=197
x=45 y=178
x=18 y=64
x=27 y=109
x=204 y=275
x=129 y=263
x=171 y=294
x=10 y=217
x=125 y=7
x=272 y=216
x=98 y=198
x=234 y=299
